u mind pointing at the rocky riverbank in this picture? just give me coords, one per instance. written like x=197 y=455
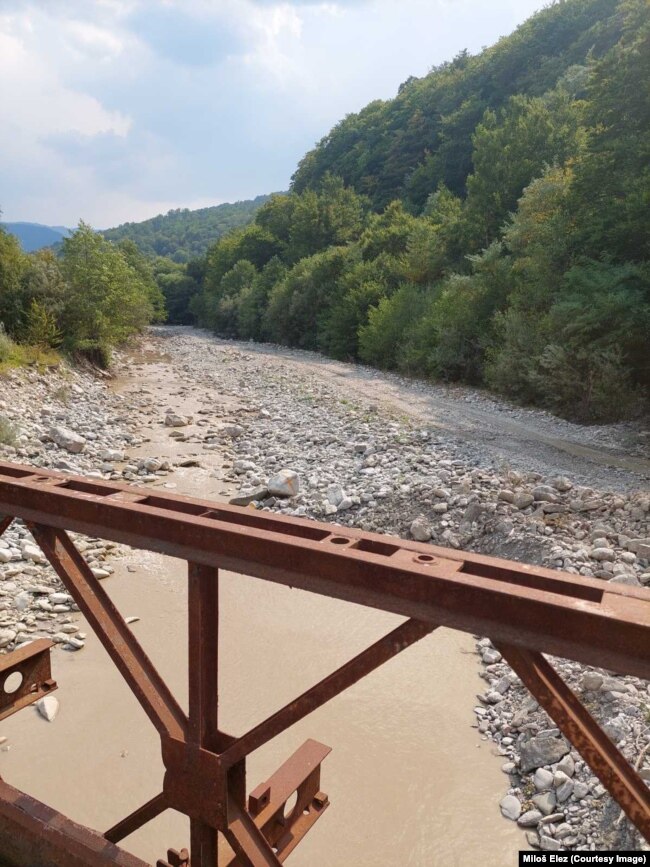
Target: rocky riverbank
x=354 y=461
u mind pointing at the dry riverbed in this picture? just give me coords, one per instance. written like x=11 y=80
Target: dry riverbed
x=217 y=419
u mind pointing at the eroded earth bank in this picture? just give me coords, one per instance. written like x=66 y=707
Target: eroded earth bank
x=428 y=748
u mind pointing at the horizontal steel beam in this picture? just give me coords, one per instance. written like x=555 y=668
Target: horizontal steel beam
x=582 y=619
x=552 y=612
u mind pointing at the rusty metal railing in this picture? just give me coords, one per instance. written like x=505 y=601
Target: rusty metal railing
x=525 y=610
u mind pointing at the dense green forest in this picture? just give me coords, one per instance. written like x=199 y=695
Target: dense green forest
x=489 y=225
x=91 y=297
x=182 y=235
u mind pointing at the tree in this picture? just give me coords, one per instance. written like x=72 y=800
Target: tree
x=107 y=299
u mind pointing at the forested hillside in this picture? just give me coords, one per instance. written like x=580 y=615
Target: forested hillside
x=182 y=234
x=490 y=225
x=405 y=147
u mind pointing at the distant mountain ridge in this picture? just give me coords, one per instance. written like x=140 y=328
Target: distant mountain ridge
x=35 y=236
x=183 y=234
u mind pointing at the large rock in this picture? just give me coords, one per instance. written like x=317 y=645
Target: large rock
x=68 y=439
x=510 y=807
x=420 y=530
x=245 y=499
x=286 y=483
x=545 y=802
x=174 y=419
x=538 y=752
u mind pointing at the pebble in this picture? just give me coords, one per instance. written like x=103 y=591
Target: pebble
x=48 y=707
x=510 y=807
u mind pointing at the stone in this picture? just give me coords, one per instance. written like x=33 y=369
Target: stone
x=174 y=419
x=564 y=792
x=286 y=483
x=335 y=495
x=592 y=681
x=543 y=779
x=603 y=555
x=549 y=844
x=566 y=766
x=510 y=807
x=7 y=636
x=540 y=751
x=246 y=498
x=490 y=656
x=68 y=440
x=33 y=553
x=544 y=494
x=545 y=802
x=420 y=530
x=580 y=790
x=562 y=484
x=112 y=455
x=60 y=598
x=523 y=500
x=48 y=707
x=529 y=819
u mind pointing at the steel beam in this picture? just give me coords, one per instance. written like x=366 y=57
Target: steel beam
x=381 y=651
x=579 y=727
x=203 y=671
x=137 y=819
x=564 y=615
x=111 y=629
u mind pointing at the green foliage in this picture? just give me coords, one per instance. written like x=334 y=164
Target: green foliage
x=7 y=346
x=108 y=297
x=182 y=235
x=41 y=328
x=299 y=303
x=380 y=340
x=13 y=267
x=510 y=150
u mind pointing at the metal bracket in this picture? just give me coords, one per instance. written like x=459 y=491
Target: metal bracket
x=284 y=827
x=175 y=859
x=32 y=665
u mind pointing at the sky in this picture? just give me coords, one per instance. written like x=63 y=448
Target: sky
x=117 y=110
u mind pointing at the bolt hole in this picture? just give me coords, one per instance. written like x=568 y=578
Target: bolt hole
x=13 y=682
x=290 y=804
x=425 y=558
x=339 y=540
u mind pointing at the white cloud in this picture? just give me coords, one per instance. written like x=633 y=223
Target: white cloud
x=117 y=109
x=36 y=103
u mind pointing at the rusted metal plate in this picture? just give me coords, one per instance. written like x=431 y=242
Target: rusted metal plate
x=539 y=608
x=34 y=835
x=25 y=676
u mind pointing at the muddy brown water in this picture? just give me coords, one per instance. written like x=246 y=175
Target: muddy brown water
x=409 y=780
